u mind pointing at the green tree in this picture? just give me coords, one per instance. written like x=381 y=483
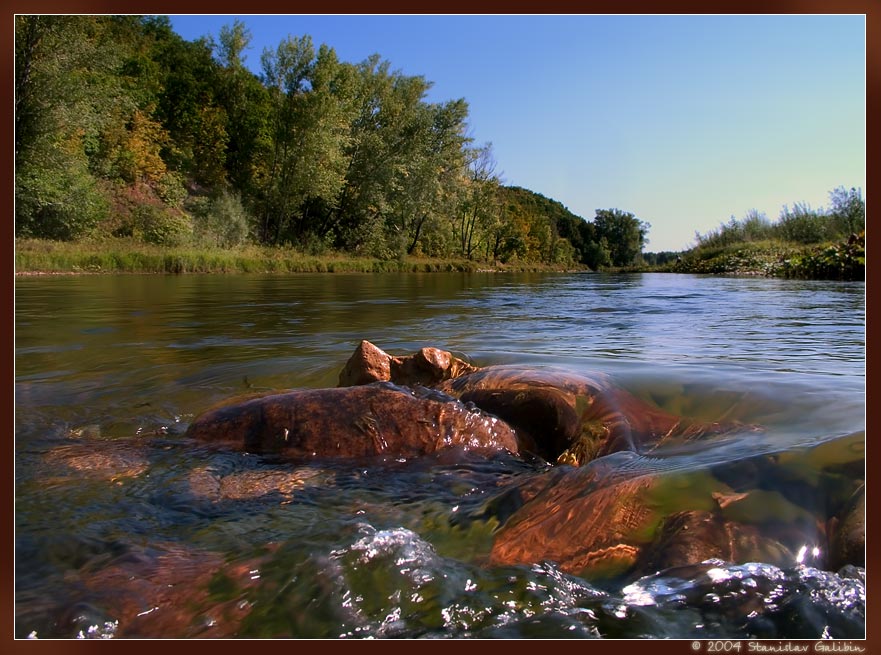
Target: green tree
x=625 y=235
x=388 y=127
x=63 y=80
x=244 y=102
x=478 y=208
x=430 y=163
x=188 y=106
x=848 y=210
x=357 y=221
x=311 y=109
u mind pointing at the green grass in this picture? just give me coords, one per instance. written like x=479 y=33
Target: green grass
x=128 y=256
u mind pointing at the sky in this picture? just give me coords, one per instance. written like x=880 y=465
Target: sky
x=682 y=120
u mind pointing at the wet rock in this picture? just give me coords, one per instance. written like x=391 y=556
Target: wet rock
x=427 y=367
x=559 y=415
x=367 y=364
x=848 y=541
x=691 y=537
x=590 y=523
x=350 y=422
x=165 y=591
x=754 y=600
x=574 y=418
x=625 y=515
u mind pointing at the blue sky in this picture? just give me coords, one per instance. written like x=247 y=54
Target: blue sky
x=682 y=120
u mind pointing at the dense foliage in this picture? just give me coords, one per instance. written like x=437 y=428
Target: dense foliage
x=125 y=130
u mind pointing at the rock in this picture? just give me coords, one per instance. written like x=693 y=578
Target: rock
x=166 y=591
x=591 y=521
x=249 y=485
x=574 y=418
x=848 y=539
x=625 y=515
x=558 y=415
x=346 y=422
x=690 y=537
x=367 y=364
x=111 y=460
x=428 y=367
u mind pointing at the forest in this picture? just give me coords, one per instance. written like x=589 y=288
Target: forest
x=124 y=130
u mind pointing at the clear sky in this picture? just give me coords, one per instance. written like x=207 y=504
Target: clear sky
x=683 y=120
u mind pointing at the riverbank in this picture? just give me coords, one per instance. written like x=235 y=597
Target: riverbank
x=844 y=260
x=42 y=257
x=832 y=261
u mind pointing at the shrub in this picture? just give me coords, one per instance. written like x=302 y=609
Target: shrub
x=220 y=221
x=163 y=226
x=841 y=261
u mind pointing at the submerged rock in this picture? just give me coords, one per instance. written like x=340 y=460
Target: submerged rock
x=206 y=484
x=166 y=591
x=626 y=515
x=349 y=422
x=848 y=542
x=574 y=418
x=111 y=460
x=616 y=512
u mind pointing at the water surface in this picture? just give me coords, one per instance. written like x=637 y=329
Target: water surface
x=117 y=366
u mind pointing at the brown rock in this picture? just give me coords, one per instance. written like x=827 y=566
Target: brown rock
x=558 y=415
x=625 y=515
x=367 y=364
x=575 y=418
x=848 y=539
x=691 y=536
x=248 y=485
x=428 y=367
x=112 y=460
x=360 y=421
x=166 y=593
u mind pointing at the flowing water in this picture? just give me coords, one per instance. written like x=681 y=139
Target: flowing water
x=124 y=528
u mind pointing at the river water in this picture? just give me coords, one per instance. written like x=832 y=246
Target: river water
x=123 y=528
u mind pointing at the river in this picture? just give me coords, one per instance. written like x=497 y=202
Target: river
x=124 y=528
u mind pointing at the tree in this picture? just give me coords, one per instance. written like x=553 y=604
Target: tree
x=244 y=101
x=848 y=210
x=311 y=110
x=479 y=205
x=189 y=108
x=63 y=82
x=430 y=152
x=624 y=233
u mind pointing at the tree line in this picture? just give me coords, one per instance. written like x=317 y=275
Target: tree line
x=124 y=129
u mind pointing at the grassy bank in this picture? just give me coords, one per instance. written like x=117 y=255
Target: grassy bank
x=33 y=256
x=843 y=260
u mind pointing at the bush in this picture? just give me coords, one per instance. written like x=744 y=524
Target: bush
x=163 y=227
x=801 y=224
x=220 y=221
x=842 y=261
x=63 y=203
